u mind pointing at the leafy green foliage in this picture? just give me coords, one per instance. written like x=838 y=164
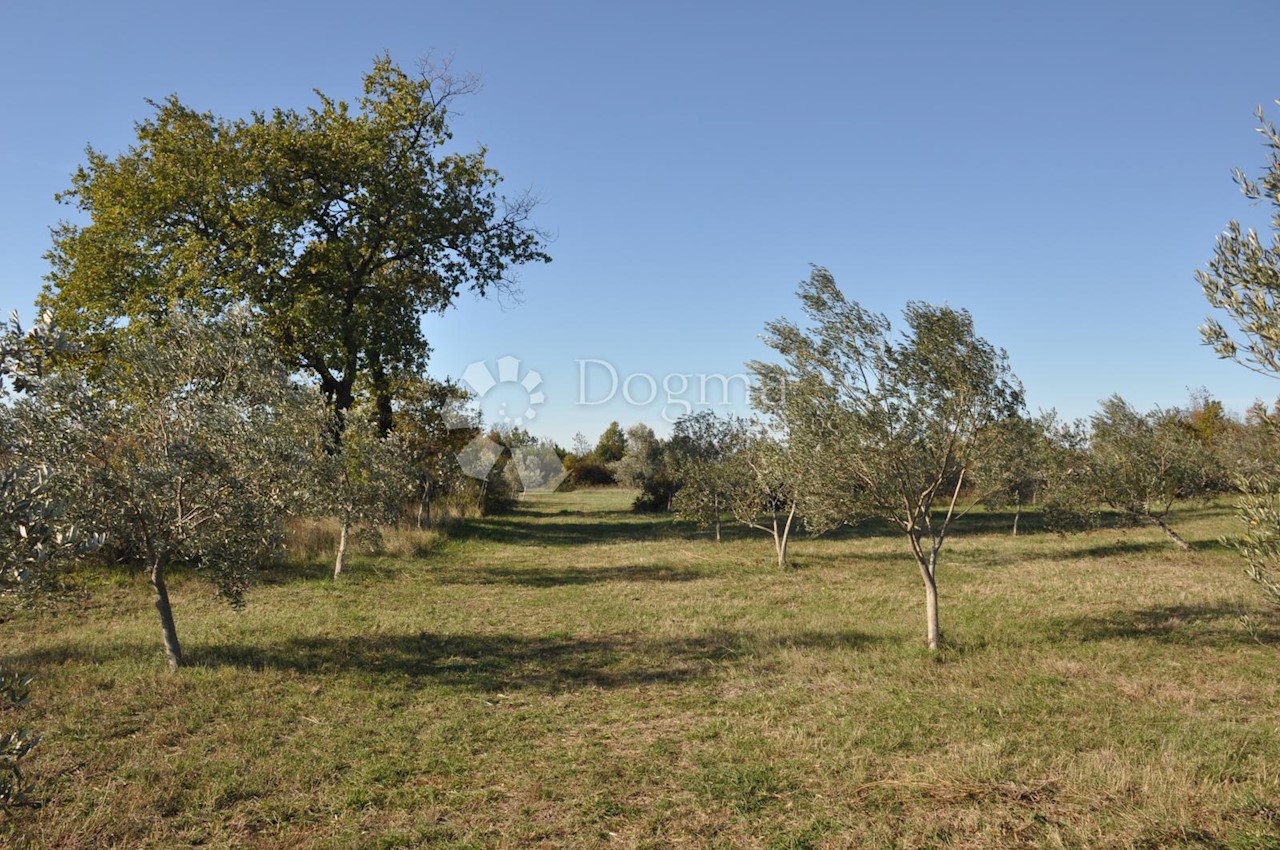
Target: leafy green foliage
x=647 y=466
x=341 y=227
x=425 y=423
x=891 y=426
x=1140 y=464
x=364 y=481
x=15 y=791
x=699 y=449
x=612 y=444
x=1259 y=511
x=1243 y=278
x=188 y=446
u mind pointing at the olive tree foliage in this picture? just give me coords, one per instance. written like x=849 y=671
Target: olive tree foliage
x=699 y=450
x=428 y=426
x=36 y=538
x=188 y=446
x=735 y=466
x=365 y=481
x=895 y=425
x=1243 y=280
x=765 y=488
x=341 y=225
x=1141 y=464
x=1243 y=277
x=1015 y=466
x=646 y=465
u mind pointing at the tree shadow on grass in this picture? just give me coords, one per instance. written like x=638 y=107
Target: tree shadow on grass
x=515 y=530
x=567 y=576
x=487 y=663
x=1155 y=546
x=503 y=662
x=1187 y=625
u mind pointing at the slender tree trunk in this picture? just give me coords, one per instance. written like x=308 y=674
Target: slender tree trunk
x=341 y=560
x=715 y=501
x=169 y=631
x=1017 y=512
x=1173 y=535
x=933 y=633
x=786 y=537
x=424 y=506
x=928 y=563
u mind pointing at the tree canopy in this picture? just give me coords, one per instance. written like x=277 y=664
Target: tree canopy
x=339 y=225
x=889 y=425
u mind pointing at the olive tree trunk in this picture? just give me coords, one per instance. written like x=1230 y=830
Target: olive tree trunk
x=1173 y=535
x=169 y=631
x=341 y=560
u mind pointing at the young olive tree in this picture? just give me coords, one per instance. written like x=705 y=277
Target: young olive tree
x=699 y=450
x=185 y=446
x=364 y=481
x=765 y=487
x=1142 y=464
x=894 y=425
x=1016 y=464
x=426 y=423
x=646 y=465
x=1243 y=280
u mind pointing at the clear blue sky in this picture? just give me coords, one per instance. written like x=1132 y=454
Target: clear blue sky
x=1058 y=169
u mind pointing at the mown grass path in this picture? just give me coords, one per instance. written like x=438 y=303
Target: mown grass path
x=577 y=676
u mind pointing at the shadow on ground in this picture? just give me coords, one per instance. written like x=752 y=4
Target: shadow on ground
x=529 y=576
x=489 y=662
x=1188 y=625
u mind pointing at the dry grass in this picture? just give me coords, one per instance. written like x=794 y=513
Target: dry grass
x=574 y=675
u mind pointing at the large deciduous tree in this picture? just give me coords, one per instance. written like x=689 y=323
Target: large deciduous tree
x=894 y=424
x=340 y=225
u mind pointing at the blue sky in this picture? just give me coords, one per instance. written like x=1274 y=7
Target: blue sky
x=1058 y=169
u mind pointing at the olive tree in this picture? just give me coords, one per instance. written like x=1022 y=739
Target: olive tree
x=699 y=449
x=186 y=447
x=765 y=487
x=891 y=425
x=36 y=539
x=363 y=481
x=1014 y=465
x=1243 y=281
x=1141 y=464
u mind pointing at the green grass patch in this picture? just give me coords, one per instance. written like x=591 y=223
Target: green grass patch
x=577 y=675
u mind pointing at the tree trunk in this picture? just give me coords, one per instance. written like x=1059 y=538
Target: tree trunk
x=1173 y=535
x=386 y=414
x=785 y=538
x=424 y=507
x=172 y=650
x=341 y=560
x=716 y=505
x=1017 y=512
x=933 y=633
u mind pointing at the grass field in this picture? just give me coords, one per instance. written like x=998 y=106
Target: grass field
x=575 y=675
